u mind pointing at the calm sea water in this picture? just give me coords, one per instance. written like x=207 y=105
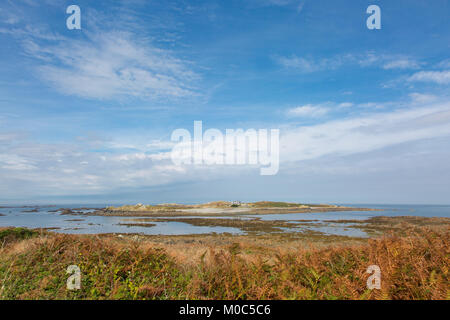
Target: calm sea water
x=44 y=218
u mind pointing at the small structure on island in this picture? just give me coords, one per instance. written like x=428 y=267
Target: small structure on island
x=235 y=203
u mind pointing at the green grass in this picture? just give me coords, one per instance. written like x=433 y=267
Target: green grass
x=274 y=204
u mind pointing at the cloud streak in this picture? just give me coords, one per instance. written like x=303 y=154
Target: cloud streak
x=310 y=64
x=439 y=77
x=74 y=169
x=309 y=111
x=113 y=65
x=364 y=134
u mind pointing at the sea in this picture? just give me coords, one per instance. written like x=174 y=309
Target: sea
x=44 y=216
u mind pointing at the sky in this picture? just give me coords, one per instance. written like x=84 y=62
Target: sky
x=86 y=116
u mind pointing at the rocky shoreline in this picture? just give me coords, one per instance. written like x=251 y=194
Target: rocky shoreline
x=205 y=211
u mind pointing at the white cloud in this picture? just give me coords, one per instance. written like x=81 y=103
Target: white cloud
x=160 y=145
x=28 y=32
x=15 y=162
x=300 y=6
x=363 y=134
x=423 y=98
x=104 y=63
x=65 y=169
x=402 y=63
x=440 y=77
x=445 y=64
x=309 y=64
x=387 y=61
x=308 y=111
x=113 y=65
x=8 y=17
x=345 y=105
x=317 y=110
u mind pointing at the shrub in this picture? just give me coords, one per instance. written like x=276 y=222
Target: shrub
x=15 y=234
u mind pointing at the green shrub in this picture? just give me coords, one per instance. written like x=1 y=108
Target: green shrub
x=15 y=234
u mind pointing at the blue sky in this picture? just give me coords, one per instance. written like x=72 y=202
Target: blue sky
x=86 y=115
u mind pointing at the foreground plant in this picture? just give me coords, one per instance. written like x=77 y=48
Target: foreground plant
x=412 y=267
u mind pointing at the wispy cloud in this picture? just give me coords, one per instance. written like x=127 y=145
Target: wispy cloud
x=149 y=62
x=74 y=168
x=384 y=61
x=439 y=77
x=109 y=60
x=8 y=17
x=112 y=65
x=401 y=63
x=445 y=64
x=317 y=110
x=308 y=65
x=300 y=6
x=308 y=111
x=387 y=61
x=366 y=133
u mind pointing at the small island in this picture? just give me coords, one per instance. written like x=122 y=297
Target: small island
x=218 y=208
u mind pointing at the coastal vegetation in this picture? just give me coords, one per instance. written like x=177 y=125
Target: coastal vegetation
x=214 y=204
x=414 y=265
x=215 y=208
x=13 y=234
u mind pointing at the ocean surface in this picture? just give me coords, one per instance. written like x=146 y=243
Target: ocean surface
x=17 y=216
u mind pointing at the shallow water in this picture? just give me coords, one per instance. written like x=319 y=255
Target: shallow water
x=322 y=221
x=15 y=216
